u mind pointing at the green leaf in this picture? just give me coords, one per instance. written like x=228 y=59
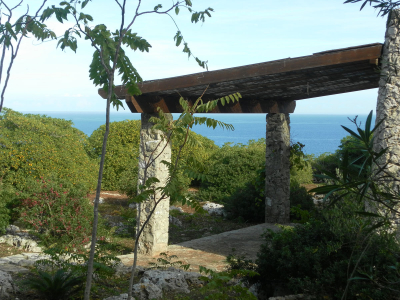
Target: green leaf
x=368 y=214
x=177 y=10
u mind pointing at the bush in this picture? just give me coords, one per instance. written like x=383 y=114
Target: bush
x=248 y=203
x=300 y=196
x=35 y=146
x=300 y=164
x=317 y=258
x=194 y=156
x=121 y=164
x=7 y=194
x=329 y=162
x=59 y=211
x=122 y=151
x=230 y=168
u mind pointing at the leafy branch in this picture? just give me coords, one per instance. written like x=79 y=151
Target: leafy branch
x=11 y=35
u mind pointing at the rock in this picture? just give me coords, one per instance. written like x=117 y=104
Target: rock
x=176 y=208
x=214 y=209
x=146 y=291
x=12 y=229
x=167 y=281
x=154 y=282
x=291 y=297
x=175 y=221
x=254 y=289
x=6 y=285
x=10 y=268
x=20 y=242
x=26 y=263
x=133 y=206
x=192 y=279
x=120 y=297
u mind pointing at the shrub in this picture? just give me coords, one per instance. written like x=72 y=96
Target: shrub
x=230 y=168
x=248 y=203
x=59 y=211
x=300 y=196
x=194 y=155
x=6 y=196
x=325 y=162
x=59 y=286
x=329 y=162
x=318 y=257
x=300 y=164
x=121 y=164
x=35 y=146
x=122 y=150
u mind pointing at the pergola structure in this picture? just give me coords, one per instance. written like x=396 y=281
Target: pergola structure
x=270 y=87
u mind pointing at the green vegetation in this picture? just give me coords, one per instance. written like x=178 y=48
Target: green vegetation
x=230 y=168
x=59 y=212
x=58 y=286
x=35 y=146
x=350 y=249
x=317 y=258
x=121 y=155
x=121 y=164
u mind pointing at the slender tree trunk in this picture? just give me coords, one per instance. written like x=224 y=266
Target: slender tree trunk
x=96 y=201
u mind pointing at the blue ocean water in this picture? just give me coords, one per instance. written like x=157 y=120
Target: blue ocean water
x=319 y=133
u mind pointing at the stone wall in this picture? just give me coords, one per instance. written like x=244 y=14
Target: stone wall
x=154 y=238
x=277 y=169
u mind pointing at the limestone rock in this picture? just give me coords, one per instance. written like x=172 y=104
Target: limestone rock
x=146 y=291
x=6 y=285
x=175 y=221
x=20 y=242
x=292 y=297
x=214 y=209
x=120 y=297
x=12 y=229
x=167 y=281
x=176 y=208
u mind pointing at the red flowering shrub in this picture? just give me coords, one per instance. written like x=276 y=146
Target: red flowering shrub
x=59 y=212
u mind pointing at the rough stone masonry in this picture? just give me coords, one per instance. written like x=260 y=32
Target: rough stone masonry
x=388 y=103
x=153 y=150
x=277 y=169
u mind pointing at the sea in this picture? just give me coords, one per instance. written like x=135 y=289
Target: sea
x=319 y=133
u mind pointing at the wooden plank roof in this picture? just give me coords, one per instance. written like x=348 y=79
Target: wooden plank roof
x=265 y=87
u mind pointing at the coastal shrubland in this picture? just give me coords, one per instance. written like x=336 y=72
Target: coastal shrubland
x=120 y=167
x=36 y=147
x=350 y=248
x=230 y=168
x=236 y=177
x=121 y=154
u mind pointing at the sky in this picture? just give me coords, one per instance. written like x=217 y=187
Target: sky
x=239 y=32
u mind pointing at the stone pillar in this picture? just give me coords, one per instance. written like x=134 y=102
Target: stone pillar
x=154 y=238
x=277 y=169
x=388 y=103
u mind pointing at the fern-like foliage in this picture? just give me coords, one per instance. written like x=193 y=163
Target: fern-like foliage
x=58 y=286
